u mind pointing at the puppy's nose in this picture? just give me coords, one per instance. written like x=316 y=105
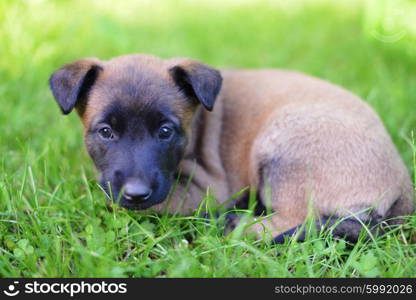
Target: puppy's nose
x=137 y=191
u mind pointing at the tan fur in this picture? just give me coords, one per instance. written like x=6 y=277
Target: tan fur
x=120 y=69
x=318 y=142
x=311 y=143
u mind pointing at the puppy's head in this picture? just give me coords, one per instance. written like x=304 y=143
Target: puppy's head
x=136 y=111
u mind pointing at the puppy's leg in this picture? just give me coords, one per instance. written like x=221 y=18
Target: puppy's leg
x=347 y=228
x=273 y=226
x=277 y=229
x=193 y=185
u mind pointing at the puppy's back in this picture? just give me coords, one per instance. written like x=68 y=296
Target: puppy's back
x=311 y=136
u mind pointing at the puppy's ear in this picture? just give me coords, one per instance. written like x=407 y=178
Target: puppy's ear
x=198 y=81
x=71 y=83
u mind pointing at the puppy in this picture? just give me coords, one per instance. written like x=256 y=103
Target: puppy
x=303 y=144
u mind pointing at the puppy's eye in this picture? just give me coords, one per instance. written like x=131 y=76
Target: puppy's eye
x=106 y=133
x=165 y=132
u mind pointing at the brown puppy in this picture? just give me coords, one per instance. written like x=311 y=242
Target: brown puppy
x=304 y=144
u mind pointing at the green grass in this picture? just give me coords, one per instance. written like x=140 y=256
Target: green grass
x=54 y=220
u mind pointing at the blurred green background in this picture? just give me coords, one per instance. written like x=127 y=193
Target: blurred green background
x=365 y=46
x=47 y=188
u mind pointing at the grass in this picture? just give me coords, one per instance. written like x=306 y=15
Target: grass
x=54 y=220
